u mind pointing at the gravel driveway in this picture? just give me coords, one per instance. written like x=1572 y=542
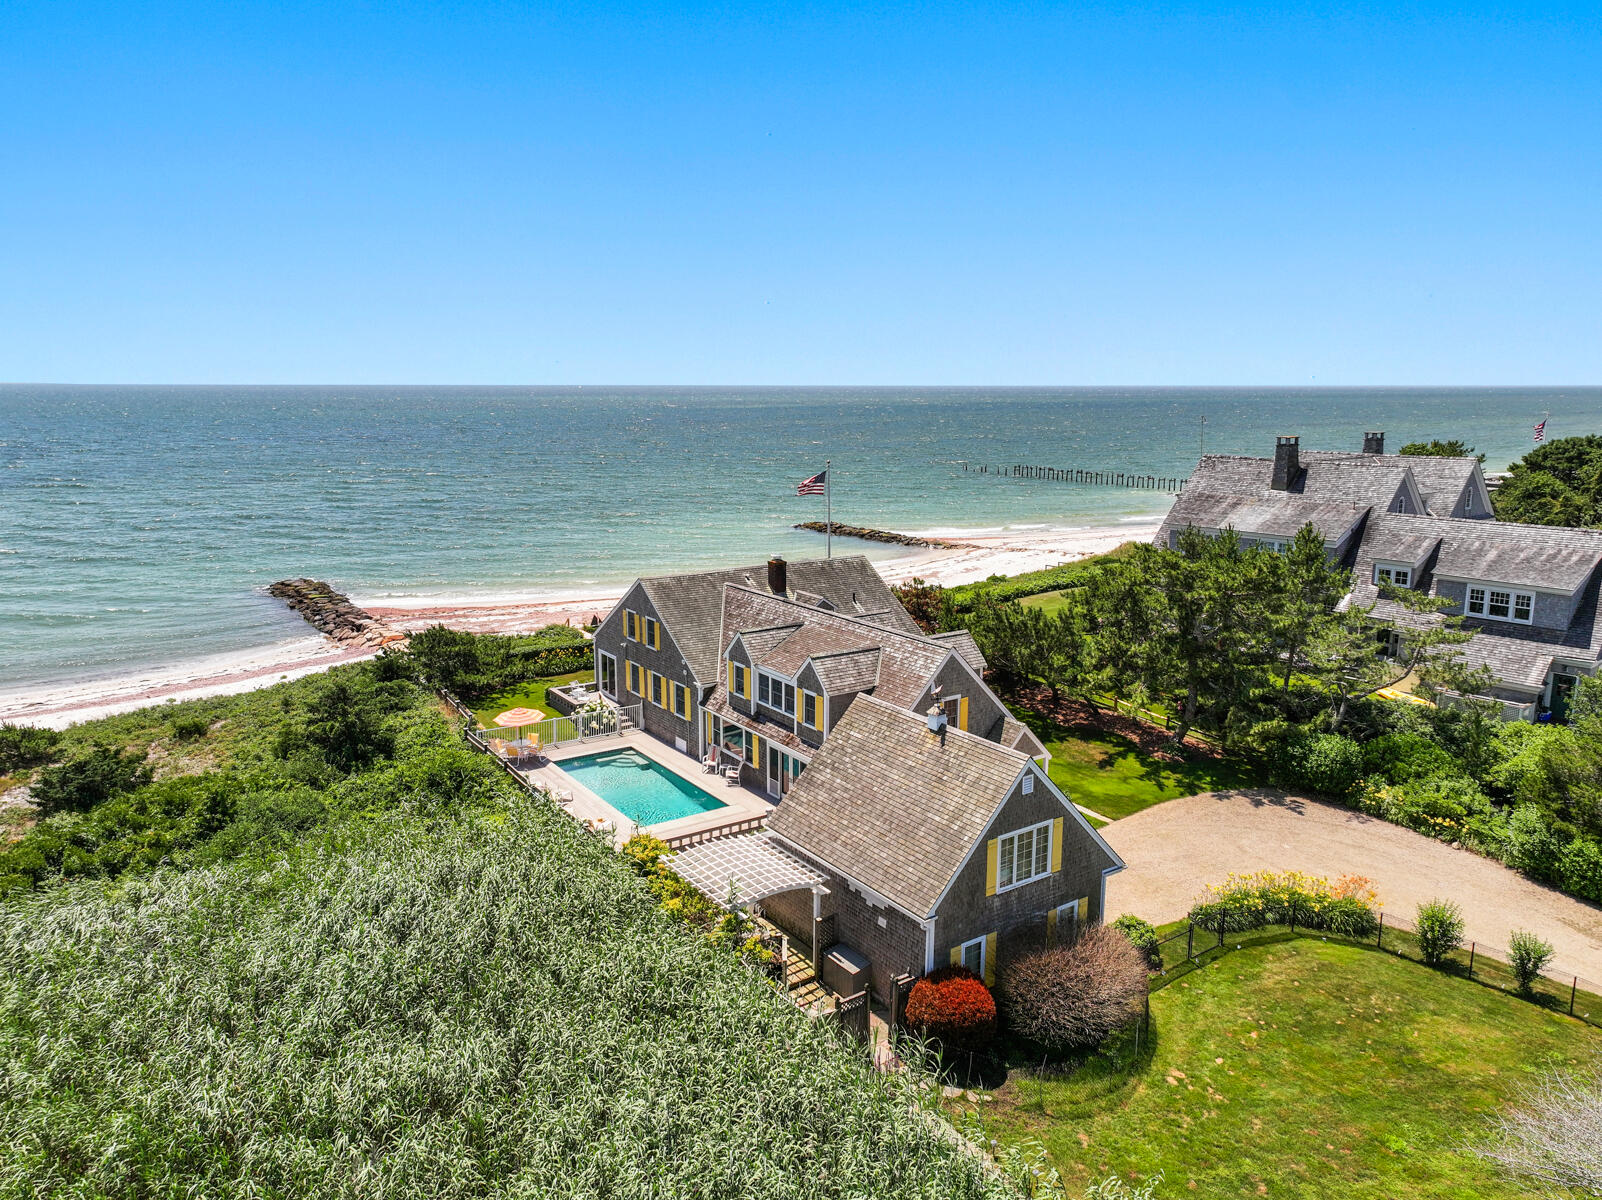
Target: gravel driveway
x=1177 y=848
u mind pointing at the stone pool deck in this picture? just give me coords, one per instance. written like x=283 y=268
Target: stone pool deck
x=741 y=803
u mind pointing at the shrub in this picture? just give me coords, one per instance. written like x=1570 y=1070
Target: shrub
x=1318 y=762
x=1530 y=846
x=1440 y=930
x=1399 y=757
x=24 y=746
x=1142 y=936
x=1075 y=997
x=645 y=852
x=1580 y=869
x=1438 y=807
x=1516 y=757
x=187 y=729
x=1527 y=955
x=953 y=1006
x=89 y=779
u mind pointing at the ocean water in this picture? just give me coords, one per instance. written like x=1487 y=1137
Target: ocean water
x=139 y=525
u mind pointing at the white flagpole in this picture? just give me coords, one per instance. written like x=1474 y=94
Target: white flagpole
x=828 y=511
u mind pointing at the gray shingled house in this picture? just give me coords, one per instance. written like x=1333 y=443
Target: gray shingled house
x=1529 y=592
x=1267 y=501
x=790 y=673
x=934 y=848
x=659 y=646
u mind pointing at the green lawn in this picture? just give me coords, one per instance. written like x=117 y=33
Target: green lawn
x=524 y=695
x=1052 y=602
x=1300 y=1069
x=1113 y=775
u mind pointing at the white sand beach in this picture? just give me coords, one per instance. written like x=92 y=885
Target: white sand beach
x=58 y=706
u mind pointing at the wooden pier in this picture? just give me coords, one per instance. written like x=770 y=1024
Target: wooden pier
x=1086 y=477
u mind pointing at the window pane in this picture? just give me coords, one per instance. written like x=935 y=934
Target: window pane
x=1042 y=852
x=1498 y=606
x=1476 y=600
x=1004 y=862
x=1024 y=868
x=1523 y=604
x=973 y=956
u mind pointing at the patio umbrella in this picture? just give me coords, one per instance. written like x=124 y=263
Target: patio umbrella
x=516 y=718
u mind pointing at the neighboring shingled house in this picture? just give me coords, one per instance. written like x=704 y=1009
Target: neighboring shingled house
x=1268 y=500
x=1529 y=592
x=660 y=643
x=934 y=848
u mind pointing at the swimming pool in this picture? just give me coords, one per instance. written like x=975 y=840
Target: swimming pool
x=642 y=790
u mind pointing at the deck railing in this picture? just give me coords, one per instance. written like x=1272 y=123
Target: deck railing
x=583 y=726
x=727 y=829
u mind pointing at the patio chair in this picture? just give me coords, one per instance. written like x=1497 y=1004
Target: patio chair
x=709 y=764
x=731 y=774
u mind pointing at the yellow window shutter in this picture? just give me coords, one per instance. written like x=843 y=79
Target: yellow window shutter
x=731 y=678
x=990 y=960
x=1051 y=928
x=747 y=681
x=756 y=749
x=1056 y=845
x=656 y=636
x=962 y=712
x=990 y=867
x=1084 y=910
x=956 y=956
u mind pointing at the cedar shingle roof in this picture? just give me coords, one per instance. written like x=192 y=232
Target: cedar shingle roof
x=1277 y=514
x=886 y=804
x=1535 y=556
x=691 y=606
x=768 y=728
x=906 y=661
x=967 y=649
x=806 y=640
x=855 y=671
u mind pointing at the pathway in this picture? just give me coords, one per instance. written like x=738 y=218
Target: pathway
x=1175 y=849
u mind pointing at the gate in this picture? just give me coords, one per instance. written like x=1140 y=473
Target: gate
x=852 y=1013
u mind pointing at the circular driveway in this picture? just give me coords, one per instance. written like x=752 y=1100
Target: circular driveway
x=1174 y=850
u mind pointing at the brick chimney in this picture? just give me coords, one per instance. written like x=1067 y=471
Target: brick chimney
x=1287 y=462
x=778 y=576
x=1373 y=443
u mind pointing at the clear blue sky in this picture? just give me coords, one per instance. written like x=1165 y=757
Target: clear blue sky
x=1070 y=193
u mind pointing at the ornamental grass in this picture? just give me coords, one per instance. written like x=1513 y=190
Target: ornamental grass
x=445 y=1008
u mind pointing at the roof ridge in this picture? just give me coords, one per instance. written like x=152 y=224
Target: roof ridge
x=830 y=613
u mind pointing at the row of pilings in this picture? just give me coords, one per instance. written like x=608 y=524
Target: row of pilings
x=1123 y=479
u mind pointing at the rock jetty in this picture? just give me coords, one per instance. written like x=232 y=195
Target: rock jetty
x=884 y=535
x=333 y=615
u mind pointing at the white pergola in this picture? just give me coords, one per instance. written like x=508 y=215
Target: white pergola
x=749 y=867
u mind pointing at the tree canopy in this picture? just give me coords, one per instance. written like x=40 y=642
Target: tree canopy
x=1559 y=483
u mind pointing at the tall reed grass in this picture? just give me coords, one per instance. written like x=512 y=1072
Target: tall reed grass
x=409 y=1008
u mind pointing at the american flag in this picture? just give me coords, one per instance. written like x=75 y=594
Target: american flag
x=813 y=486
x=1540 y=431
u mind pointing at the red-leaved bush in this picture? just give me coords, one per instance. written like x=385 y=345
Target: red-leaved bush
x=954 y=1006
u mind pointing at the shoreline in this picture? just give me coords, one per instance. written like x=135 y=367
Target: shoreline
x=59 y=705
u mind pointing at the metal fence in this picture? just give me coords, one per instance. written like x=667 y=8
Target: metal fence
x=1191 y=947
x=584 y=725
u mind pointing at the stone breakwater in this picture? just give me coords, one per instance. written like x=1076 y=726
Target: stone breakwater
x=333 y=615
x=885 y=535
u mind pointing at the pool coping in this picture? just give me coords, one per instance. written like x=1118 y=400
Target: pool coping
x=739 y=802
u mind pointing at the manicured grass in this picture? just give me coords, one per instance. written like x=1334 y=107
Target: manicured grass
x=524 y=695
x=1300 y=1068
x=1112 y=774
x=1052 y=602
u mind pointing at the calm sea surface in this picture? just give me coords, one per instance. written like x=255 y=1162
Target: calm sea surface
x=138 y=525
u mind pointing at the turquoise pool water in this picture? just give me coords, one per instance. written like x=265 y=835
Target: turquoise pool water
x=643 y=791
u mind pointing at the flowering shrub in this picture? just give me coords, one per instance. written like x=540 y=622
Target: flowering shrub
x=1445 y=807
x=953 y=1006
x=1347 y=907
x=1318 y=762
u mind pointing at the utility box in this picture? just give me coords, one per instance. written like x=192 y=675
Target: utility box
x=845 y=972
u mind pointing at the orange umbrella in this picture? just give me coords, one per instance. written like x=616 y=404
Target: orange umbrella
x=516 y=718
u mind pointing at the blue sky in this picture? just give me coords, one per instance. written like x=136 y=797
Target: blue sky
x=1071 y=194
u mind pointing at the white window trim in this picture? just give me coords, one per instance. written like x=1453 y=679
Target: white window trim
x=1252 y=541
x=615 y=681
x=1395 y=569
x=1013 y=836
x=962 y=954
x=1485 y=613
x=762 y=673
x=1071 y=910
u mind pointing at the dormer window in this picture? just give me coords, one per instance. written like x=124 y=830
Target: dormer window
x=1391 y=573
x=1500 y=604
x=776 y=693
x=1277 y=545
